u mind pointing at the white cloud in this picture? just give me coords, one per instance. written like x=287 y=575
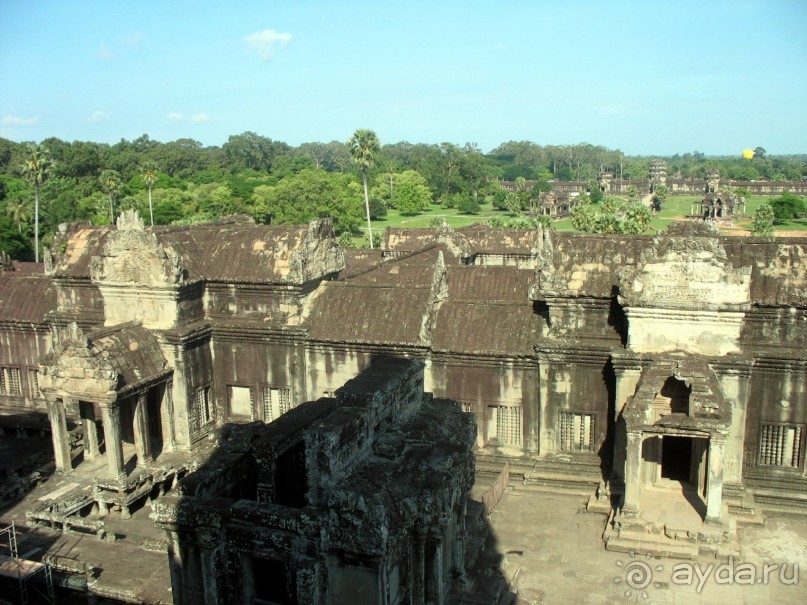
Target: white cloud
x=97 y=116
x=264 y=41
x=175 y=116
x=200 y=117
x=132 y=39
x=104 y=53
x=17 y=121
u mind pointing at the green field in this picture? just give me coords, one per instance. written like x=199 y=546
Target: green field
x=675 y=208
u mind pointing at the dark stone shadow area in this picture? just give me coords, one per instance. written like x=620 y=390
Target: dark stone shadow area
x=360 y=498
x=26 y=461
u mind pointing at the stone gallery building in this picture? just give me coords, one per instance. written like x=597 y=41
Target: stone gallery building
x=618 y=363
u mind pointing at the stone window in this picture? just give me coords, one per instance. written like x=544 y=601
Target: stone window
x=781 y=445
x=505 y=423
x=10 y=381
x=203 y=412
x=240 y=401
x=577 y=432
x=276 y=401
x=33 y=384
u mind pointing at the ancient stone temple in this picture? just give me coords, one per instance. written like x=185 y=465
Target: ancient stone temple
x=665 y=375
x=556 y=205
x=358 y=498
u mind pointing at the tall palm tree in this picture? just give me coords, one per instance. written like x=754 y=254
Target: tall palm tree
x=18 y=210
x=36 y=169
x=364 y=148
x=110 y=181
x=149 y=173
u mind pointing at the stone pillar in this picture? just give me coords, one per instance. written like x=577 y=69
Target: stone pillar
x=167 y=418
x=208 y=542
x=714 y=485
x=433 y=570
x=627 y=377
x=176 y=564
x=142 y=438
x=87 y=413
x=114 y=445
x=61 y=439
x=418 y=569
x=633 y=467
x=544 y=437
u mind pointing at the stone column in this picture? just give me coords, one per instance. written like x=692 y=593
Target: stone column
x=633 y=467
x=714 y=485
x=433 y=570
x=544 y=437
x=142 y=438
x=112 y=434
x=418 y=569
x=627 y=377
x=176 y=563
x=61 y=439
x=167 y=418
x=208 y=542
x=87 y=413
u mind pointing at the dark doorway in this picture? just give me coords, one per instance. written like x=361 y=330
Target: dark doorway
x=153 y=407
x=676 y=458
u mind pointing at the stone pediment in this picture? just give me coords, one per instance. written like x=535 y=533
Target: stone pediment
x=709 y=410
x=132 y=255
x=686 y=268
x=74 y=370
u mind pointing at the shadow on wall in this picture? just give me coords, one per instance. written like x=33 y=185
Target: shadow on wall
x=361 y=498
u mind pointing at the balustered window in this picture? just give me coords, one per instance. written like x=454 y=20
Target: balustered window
x=781 y=445
x=577 y=432
x=10 y=381
x=33 y=384
x=276 y=401
x=202 y=412
x=504 y=422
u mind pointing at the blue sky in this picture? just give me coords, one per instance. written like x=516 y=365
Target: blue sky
x=647 y=77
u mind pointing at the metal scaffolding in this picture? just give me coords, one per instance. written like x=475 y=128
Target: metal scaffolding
x=15 y=568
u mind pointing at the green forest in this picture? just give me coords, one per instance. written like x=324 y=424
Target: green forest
x=185 y=182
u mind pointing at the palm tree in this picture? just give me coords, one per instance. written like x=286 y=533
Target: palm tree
x=36 y=168
x=364 y=148
x=110 y=181
x=18 y=210
x=149 y=173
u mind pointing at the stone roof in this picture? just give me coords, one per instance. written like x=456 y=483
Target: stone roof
x=710 y=410
x=248 y=252
x=479 y=238
x=489 y=283
x=487 y=311
x=369 y=314
x=94 y=366
x=486 y=328
x=25 y=296
x=586 y=265
x=132 y=350
x=233 y=250
x=485 y=239
x=778 y=268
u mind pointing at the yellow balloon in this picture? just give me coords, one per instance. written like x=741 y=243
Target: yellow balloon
x=748 y=154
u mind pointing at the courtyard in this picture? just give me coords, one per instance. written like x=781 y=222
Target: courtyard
x=559 y=552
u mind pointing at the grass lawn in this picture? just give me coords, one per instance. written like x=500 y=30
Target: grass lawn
x=675 y=208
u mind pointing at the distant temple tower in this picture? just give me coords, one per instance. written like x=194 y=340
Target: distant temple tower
x=712 y=180
x=604 y=180
x=657 y=174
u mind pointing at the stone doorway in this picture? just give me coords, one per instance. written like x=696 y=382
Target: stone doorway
x=676 y=458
